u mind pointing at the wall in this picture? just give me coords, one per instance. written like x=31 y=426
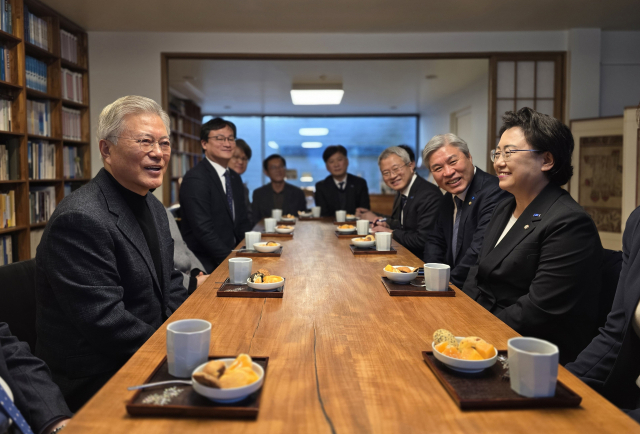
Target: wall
x=619 y=72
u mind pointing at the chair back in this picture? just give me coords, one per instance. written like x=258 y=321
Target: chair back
x=18 y=300
x=175 y=211
x=611 y=267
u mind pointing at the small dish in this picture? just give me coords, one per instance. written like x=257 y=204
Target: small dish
x=265 y=286
x=263 y=248
x=229 y=395
x=465 y=366
x=363 y=243
x=400 y=277
x=284 y=229
x=351 y=217
x=288 y=219
x=305 y=214
x=351 y=228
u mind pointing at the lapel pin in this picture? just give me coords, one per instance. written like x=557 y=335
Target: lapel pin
x=473 y=197
x=469 y=203
x=526 y=226
x=536 y=215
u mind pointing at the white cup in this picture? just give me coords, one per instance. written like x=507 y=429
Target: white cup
x=276 y=214
x=187 y=346
x=436 y=276
x=533 y=367
x=239 y=270
x=270 y=225
x=383 y=241
x=315 y=211
x=363 y=227
x=250 y=238
x=341 y=216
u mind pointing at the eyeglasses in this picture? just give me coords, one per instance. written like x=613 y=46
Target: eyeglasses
x=495 y=155
x=147 y=143
x=222 y=139
x=394 y=171
x=243 y=159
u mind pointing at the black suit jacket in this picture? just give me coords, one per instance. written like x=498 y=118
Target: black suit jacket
x=482 y=197
x=34 y=393
x=420 y=213
x=208 y=226
x=611 y=362
x=544 y=277
x=98 y=298
x=262 y=205
x=356 y=195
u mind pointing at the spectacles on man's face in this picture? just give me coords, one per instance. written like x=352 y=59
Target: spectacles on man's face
x=506 y=154
x=222 y=139
x=241 y=159
x=394 y=171
x=147 y=143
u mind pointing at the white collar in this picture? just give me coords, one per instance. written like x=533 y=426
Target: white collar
x=219 y=169
x=407 y=189
x=463 y=195
x=344 y=181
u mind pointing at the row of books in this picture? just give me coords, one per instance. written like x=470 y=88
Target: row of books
x=36 y=30
x=174 y=191
x=69 y=46
x=6 y=24
x=71 y=124
x=72 y=85
x=9 y=160
x=36 y=74
x=6 y=250
x=71 y=162
x=71 y=187
x=8 y=209
x=38 y=117
x=5 y=64
x=41 y=156
x=181 y=163
x=42 y=203
x=34 y=237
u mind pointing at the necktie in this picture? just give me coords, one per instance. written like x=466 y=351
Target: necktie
x=403 y=202
x=7 y=407
x=456 y=226
x=341 y=185
x=227 y=183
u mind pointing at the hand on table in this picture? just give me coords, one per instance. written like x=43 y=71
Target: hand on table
x=381 y=227
x=201 y=278
x=365 y=214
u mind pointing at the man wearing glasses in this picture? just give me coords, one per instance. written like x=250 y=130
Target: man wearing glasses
x=213 y=208
x=105 y=277
x=415 y=206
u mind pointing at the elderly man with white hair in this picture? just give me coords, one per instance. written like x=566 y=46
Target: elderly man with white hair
x=105 y=276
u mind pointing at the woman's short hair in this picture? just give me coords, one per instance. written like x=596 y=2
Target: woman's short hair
x=111 y=120
x=545 y=133
x=440 y=141
x=244 y=147
x=395 y=150
x=333 y=149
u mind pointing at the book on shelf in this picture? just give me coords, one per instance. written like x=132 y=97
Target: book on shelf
x=42 y=203
x=5 y=63
x=36 y=30
x=6 y=250
x=72 y=85
x=38 y=117
x=71 y=124
x=36 y=74
x=8 y=209
x=34 y=239
x=9 y=151
x=6 y=12
x=175 y=187
x=72 y=163
x=5 y=115
x=69 y=46
x=41 y=158
x=70 y=187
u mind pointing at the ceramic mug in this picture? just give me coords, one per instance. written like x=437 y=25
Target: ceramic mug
x=436 y=276
x=251 y=238
x=383 y=241
x=533 y=367
x=187 y=346
x=363 y=227
x=270 y=225
x=316 y=211
x=341 y=216
x=276 y=214
x=239 y=270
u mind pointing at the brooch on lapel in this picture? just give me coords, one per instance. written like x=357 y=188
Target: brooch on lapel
x=472 y=198
x=526 y=226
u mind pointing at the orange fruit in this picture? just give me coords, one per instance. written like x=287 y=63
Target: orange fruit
x=442 y=346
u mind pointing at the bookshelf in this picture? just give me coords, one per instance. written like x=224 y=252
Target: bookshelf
x=186 y=121
x=45 y=119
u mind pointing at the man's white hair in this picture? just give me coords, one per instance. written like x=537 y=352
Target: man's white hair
x=111 y=120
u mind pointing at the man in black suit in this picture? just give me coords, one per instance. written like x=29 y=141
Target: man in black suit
x=105 y=278
x=340 y=190
x=28 y=379
x=278 y=194
x=415 y=206
x=466 y=208
x=213 y=207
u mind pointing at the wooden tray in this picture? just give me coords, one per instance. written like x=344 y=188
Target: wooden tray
x=231 y=290
x=487 y=389
x=395 y=289
x=309 y=219
x=189 y=403
x=346 y=235
x=246 y=253
x=286 y=223
x=348 y=222
x=276 y=234
x=371 y=251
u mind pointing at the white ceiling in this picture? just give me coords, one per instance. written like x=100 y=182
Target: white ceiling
x=371 y=86
x=379 y=16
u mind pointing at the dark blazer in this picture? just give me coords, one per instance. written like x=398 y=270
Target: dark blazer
x=543 y=279
x=610 y=364
x=420 y=213
x=482 y=197
x=34 y=393
x=98 y=298
x=208 y=226
x=293 y=202
x=356 y=195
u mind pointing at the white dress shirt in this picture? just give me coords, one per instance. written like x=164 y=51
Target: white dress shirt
x=344 y=183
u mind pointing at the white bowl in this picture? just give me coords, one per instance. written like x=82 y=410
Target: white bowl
x=284 y=231
x=353 y=217
x=363 y=243
x=263 y=248
x=305 y=214
x=400 y=277
x=346 y=231
x=265 y=286
x=466 y=366
x=288 y=219
x=229 y=395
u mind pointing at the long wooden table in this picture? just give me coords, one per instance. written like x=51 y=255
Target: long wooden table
x=345 y=357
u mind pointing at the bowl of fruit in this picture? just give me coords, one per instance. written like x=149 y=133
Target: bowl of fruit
x=400 y=273
x=266 y=246
x=228 y=380
x=263 y=280
x=469 y=355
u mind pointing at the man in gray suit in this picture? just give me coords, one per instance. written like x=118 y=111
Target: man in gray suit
x=105 y=278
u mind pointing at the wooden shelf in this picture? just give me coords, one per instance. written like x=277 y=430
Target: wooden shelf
x=9 y=38
x=77 y=179
x=38 y=225
x=51 y=139
x=189 y=118
x=41 y=95
x=73 y=142
x=5 y=231
x=11 y=86
x=74 y=104
x=11 y=133
x=13 y=181
x=44 y=181
x=40 y=53
x=72 y=66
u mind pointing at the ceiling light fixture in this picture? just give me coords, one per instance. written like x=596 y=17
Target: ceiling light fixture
x=317 y=94
x=306 y=177
x=314 y=131
x=272 y=144
x=311 y=145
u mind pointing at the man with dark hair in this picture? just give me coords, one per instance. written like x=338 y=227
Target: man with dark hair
x=278 y=194
x=239 y=163
x=214 y=213
x=340 y=190
x=412 y=155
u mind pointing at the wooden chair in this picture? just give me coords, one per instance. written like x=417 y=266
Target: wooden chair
x=18 y=299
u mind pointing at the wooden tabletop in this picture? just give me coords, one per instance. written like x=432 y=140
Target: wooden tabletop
x=345 y=357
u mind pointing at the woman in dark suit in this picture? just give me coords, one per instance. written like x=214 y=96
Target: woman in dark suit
x=539 y=267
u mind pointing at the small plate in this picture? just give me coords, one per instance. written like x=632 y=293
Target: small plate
x=288 y=219
x=284 y=231
x=465 y=366
x=228 y=395
x=363 y=243
x=344 y=231
x=265 y=286
x=263 y=248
